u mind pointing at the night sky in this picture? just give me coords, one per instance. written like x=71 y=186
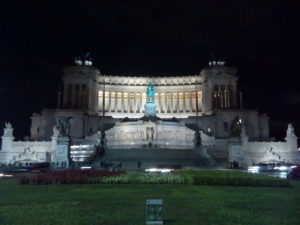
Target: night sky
x=150 y=37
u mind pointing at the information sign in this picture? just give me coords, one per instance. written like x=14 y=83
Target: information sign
x=154 y=211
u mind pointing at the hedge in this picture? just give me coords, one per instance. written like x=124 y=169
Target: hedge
x=231 y=178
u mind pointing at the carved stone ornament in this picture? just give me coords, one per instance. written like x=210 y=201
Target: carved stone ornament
x=63 y=125
x=236 y=127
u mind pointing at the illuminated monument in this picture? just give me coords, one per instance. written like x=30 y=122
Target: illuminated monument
x=157 y=121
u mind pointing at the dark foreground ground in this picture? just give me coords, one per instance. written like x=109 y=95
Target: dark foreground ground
x=124 y=204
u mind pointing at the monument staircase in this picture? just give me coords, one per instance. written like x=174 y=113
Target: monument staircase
x=219 y=154
x=144 y=158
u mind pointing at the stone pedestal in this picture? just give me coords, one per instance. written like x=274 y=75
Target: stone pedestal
x=150 y=109
x=61 y=159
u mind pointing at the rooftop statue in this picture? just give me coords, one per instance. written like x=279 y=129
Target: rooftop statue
x=87 y=60
x=8 y=130
x=150 y=92
x=290 y=131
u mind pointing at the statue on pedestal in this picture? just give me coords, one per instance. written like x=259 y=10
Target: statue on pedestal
x=150 y=92
x=63 y=126
x=290 y=131
x=55 y=131
x=236 y=127
x=150 y=106
x=8 y=130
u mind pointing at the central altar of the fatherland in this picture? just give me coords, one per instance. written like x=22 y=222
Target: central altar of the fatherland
x=150 y=131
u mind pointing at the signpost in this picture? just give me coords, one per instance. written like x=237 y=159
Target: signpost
x=154 y=211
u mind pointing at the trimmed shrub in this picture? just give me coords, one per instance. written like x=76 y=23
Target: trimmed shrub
x=69 y=177
x=231 y=178
x=145 y=178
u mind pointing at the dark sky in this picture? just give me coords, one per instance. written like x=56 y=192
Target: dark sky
x=260 y=38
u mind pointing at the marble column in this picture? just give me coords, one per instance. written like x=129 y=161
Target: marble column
x=87 y=97
x=158 y=103
x=161 y=103
x=234 y=97
x=222 y=99
x=134 y=106
x=122 y=102
x=73 y=96
x=184 y=102
x=108 y=106
x=116 y=103
x=100 y=99
x=171 y=102
x=128 y=102
x=136 y=102
x=113 y=102
x=191 y=102
x=165 y=103
x=228 y=97
x=65 y=96
x=131 y=102
x=80 y=97
x=208 y=93
x=58 y=99
x=109 y=101
x=141 y=102
x=177 y=108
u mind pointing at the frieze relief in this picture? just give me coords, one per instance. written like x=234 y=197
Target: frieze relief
x=147 y=132
x=29 y=154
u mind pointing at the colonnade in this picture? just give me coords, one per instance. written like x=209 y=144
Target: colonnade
x=75 y=96
x=223 y=97
x=133 y=102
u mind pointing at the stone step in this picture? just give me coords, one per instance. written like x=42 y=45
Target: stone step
x=152 y=153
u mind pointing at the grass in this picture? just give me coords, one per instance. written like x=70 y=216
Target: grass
x=118 y=204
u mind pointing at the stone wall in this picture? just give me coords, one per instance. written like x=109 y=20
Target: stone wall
x=248 y=152
x=25 y=151
x=255 y=152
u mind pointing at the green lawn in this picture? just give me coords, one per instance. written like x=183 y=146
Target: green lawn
x=124 y=204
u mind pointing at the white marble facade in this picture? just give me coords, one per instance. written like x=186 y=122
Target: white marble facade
x=124 y=96
x=208 y=100
x=88 y=95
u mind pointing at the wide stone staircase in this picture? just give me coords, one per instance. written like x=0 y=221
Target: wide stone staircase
x=149 y=158
x=219 y=154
